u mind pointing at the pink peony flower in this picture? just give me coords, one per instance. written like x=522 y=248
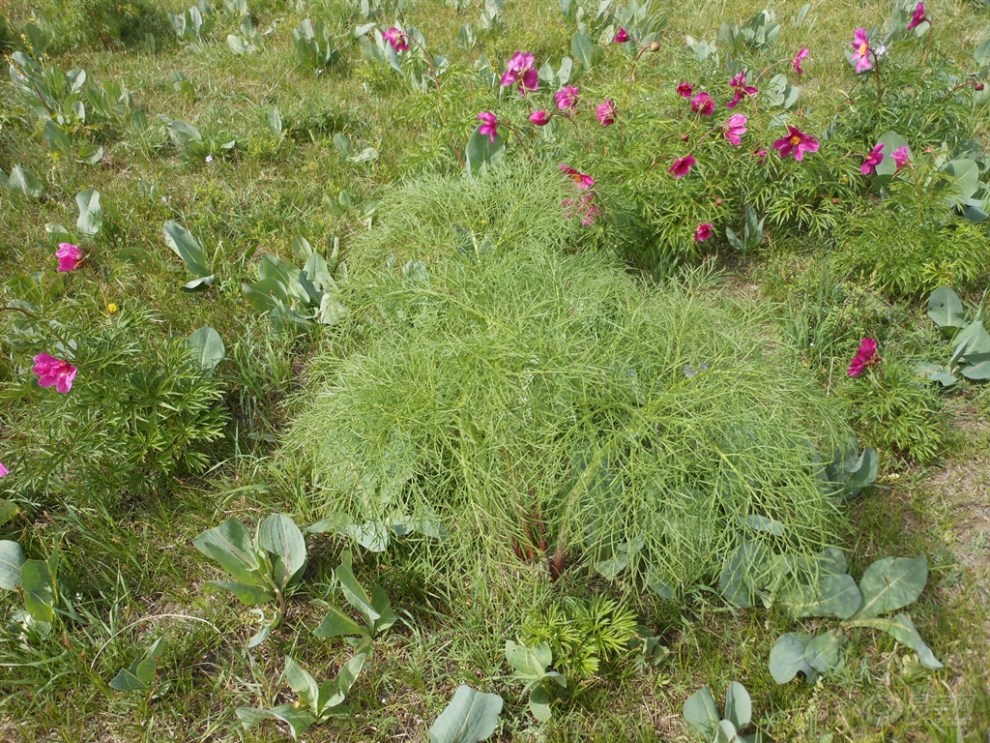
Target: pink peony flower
x=682 y=166
x=3 y=470
x=685 y=89
x=521 y=73
x=584 y=207
x=582 y=180
x=734 y=128
x=917 y=17
x=900 y=157
x=489 y=125
x=861 y=51
x=866 y=356
x=702 y=232
x=703 y=104
x=800 y=57
x=54 y=372
x=797 y=143
x=606 y=112
x=621 y=36
x=540 y=118
x=69 y=256
x=871 y=161
x=740 y=89
x=567 y=97
x=761 y=154
x=396 y=39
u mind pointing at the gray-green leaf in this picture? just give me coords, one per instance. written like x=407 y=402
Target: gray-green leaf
x=700 y=712
x=11 y=560
x=824 y=652
x=738 y=705
x=890 y=584
x=902 y=629
x=471 y=716
x=90 y=213
x=207 y=348
x=787 y=658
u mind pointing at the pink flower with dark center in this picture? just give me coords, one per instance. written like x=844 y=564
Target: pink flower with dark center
x=861 y=51
x=900 y=157
x=54 y=372
x=489 y=125
x=866 y=356
x=917 y=17
x=734 y=128
x=797 y=143
x=396 y=39
x=69 y=256
x=582 y=180
x=521 y=73
x=606 y=112
x=740 y=89
x=685 y=89
x=871 y=161
x=702 y=232
x=3 y=470
x=621 y=36
x=682 y=166
x=703 y=104
x=567 y=97
x=540 y=118
x=800 y=57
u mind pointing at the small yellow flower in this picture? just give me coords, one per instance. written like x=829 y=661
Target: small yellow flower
x=112 y=307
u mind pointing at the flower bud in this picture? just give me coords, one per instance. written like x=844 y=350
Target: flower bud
x=655 y=46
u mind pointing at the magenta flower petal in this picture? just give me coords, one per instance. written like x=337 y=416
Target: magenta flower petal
x=866 y=356
x=489 y=125
x=582 y=180
x=703 y=104
x=798 y=58
x=702 y=232
x=54 y=372
x=734 y=128
x=796 y=143
x=871 y=161
x=685 y=90
x=69 y=256
x=3 y=470
x=917 y=17
x=861 y=51
x=540 y=118
x=567 y=97
x=621 y=36
x=682 y=166
x=900 y=156
x=396 y=39
x=606 y=112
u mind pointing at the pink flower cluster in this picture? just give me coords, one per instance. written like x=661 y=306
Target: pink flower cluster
x=584 y=205
x=53 y=372
x=520 y=72
x=396 y=39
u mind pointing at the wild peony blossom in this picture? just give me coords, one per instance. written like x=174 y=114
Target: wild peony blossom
x=861 y=51
x=585 y=207
x=489 y=125
x=734 y=128
x=740 y=89
x=54 y=372
x=865 y=357
x=685 y=89
x=800 y=57
x=396 y=39
x=917 y=17
x=796 y=143
x=703 y=104
x=761 y=154
x=567 y=97
x=621 y=36
x=540 y=118
x=69 y=256
x=702 y=232
x=606 y=112
x=871 y=161
x=582 y=180
x=521 y=73
x=682 y=166
x=900 y=156
x=3 y=470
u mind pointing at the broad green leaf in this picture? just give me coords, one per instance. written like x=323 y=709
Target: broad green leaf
x=787 y=658
x=338 y=624
x=281 y=537
x=8 y=511
x=743 y=574
x=890 y=584
x=585 y=51
x=539 y=703
x=353 y=591
x=230 y=545
x=184 y=245
x=303 y=684
x=127 y=680
x=11 y=561
x=937 y=373
x=299 y=720
x=23 y=182
x=39 y=590
x=946 y=309
x=207 y=347
x=967 y=174
x=247 y=594
x=701 y=714
x=481 y=153
x=372 y=535
x=902 y=629
x=381 y=604
x=333 y=693
x=973 y=340
x=726 y=732
x=738 y=705
x=529 y=664
x=824 y=652
x=977 y=372
x=90 y=214
x=471 y=716
x=141 y=673
x=834 y=596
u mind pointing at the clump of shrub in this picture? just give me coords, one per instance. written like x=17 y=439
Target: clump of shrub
x=548 y=406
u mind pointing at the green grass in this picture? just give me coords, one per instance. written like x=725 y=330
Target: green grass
x=135 y=572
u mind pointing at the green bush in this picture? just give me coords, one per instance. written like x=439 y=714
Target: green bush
x=139 y=415
x=896 y=411
x=110 y=23
x=542 y=403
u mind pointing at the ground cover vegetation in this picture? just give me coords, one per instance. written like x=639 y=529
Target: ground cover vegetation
x=456 y=370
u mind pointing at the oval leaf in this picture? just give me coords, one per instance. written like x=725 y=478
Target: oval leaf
x=471 y=716
x=11 y=560
x=892 y=583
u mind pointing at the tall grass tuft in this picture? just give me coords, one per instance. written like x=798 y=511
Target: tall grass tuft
x=549 y=407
